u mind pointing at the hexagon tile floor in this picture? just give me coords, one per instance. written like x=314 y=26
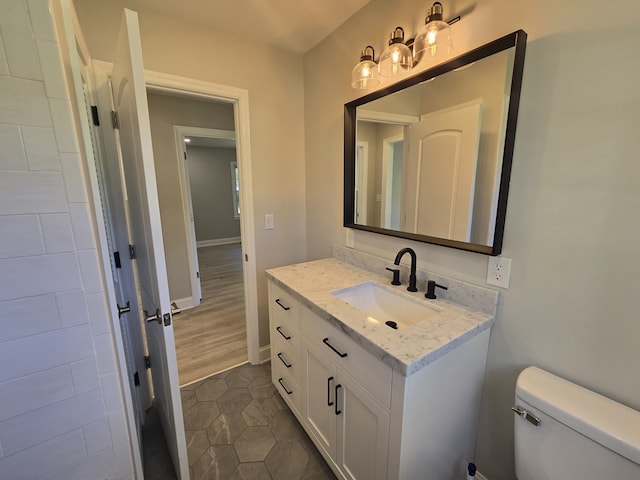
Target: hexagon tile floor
x=238 y=427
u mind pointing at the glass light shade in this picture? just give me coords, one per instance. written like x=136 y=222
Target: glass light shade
x=395 y=60
x=434 y=41
x=365 y=75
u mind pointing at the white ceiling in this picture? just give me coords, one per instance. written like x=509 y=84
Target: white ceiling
x=295 y=25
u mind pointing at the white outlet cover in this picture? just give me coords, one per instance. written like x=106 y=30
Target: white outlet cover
x=499 y=271
x=350 y=240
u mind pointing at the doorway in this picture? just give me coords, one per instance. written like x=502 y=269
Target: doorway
x=391 y=201
x=210 y=332
x=198 y=178
x=362 y=181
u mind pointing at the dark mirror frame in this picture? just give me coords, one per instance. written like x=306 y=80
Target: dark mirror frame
x=517 y=39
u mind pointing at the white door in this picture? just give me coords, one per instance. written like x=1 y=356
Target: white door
x=137 y=157
x=445 y=142
x=320 y=402
x=107 y=195
x=363 y=433
x=190 y=227
x=114 y=204
x=122 y=275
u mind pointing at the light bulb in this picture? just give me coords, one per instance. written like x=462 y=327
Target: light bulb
x=364 y=74
x=396 y=58
x=432 y=35
x=434 y=41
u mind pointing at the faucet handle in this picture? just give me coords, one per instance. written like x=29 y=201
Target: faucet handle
x=431 y=289
x=396 y=276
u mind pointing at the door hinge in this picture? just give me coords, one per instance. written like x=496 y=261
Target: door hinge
x=132 y=252
x=115 y=120
x=246 y=257
x=197 y=274
x=136 y=379
x=147 y=361
x=116 y=259
x=94 y=115
x=185 y=155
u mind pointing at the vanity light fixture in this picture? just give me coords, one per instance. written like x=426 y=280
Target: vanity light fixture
x=435 y=40
x=396 y=58
x=365 y=73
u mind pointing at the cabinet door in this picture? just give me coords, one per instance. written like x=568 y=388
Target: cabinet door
x=320 y=399
x=363 y=433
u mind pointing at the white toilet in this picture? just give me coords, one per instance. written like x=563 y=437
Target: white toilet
x=566 y=432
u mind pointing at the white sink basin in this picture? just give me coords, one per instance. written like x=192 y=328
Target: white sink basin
x=384 y=305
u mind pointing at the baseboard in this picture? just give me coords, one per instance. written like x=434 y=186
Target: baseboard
x=479 y=476
x=185 y=303
x=265 y=354
x=217 y=241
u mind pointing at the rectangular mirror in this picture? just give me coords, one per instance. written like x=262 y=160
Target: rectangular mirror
x=429 y=158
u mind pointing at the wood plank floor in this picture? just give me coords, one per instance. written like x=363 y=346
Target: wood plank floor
x=212 y=337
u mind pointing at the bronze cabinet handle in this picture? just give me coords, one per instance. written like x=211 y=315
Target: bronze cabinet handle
x=326 y=342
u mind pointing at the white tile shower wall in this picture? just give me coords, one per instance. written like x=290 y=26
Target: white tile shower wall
x=62 y=415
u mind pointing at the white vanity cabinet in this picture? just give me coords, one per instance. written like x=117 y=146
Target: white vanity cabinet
x=340 y=413
x=370 y=421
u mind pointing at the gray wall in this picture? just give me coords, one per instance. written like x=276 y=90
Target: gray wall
x=211 y=193
x=165 y=112
x=572 y=225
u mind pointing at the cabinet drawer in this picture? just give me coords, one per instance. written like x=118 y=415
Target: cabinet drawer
x=289 y=390
x=282 y=306
x=289 y=336
x=287 y=354
x=363 y=367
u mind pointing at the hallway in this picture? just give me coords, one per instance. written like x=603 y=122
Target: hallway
x=212 y=336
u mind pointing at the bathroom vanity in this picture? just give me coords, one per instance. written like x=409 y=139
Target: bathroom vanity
x=380 y=402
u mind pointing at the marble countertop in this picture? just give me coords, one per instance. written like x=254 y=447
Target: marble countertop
x=406 y=350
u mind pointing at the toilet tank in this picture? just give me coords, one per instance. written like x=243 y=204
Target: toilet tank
x=581 y=435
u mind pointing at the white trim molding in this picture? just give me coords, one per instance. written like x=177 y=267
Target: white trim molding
x=265 y=354
x=218 y=241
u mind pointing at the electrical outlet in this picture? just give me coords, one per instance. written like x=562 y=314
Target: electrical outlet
x=350 y=240
x=498 y=271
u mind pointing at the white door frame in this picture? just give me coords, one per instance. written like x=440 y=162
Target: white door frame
x=239 y=97
x=362 y=182
x=387 y=178
x=187 y=206
x=173 y=84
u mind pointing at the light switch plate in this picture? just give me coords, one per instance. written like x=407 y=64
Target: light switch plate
x=499 y=271
x=268 y=221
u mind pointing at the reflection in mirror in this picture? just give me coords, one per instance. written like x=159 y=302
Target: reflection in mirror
x=431 y=156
